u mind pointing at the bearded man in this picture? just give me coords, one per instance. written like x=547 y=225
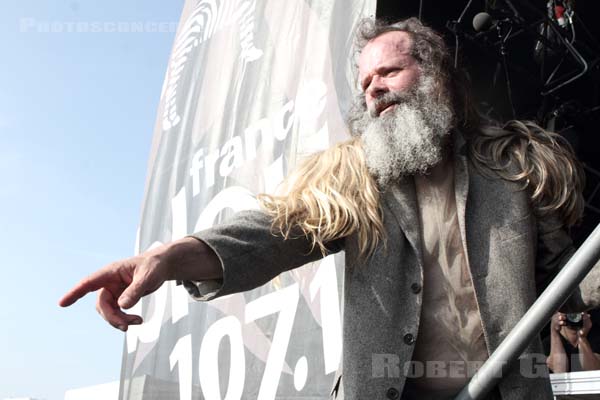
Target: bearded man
x=450 y=228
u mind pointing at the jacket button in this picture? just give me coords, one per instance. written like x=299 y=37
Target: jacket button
x=409 y=339
x=392 y=394
x=415 y=287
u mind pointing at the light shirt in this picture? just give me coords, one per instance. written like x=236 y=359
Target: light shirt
x=450 y=339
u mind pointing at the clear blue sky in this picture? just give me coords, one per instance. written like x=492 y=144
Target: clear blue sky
x=77 y=112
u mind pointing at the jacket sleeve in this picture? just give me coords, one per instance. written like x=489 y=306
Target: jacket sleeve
x=252 y=254
x=555 y=248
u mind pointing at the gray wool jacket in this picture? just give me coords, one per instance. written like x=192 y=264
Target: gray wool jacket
x=512 y=256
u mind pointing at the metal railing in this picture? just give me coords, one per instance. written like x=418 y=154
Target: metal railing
x=534 y=319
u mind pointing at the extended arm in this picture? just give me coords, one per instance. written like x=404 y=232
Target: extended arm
x=243 y=253
x=121 y=284
x=251 y=254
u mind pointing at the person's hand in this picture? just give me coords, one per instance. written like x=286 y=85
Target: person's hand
x=587 y=325
x=558 y=321
x=121 y=284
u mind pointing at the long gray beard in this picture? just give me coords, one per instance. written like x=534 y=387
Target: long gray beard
x=406 y=140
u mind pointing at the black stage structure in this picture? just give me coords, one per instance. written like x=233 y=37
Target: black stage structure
x=552 y=61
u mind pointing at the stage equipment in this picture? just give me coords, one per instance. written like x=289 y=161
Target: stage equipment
x=484 y=21
x=504 y=26
x=454 y=27
x=554 y=32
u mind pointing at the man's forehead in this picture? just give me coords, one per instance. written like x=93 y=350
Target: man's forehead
x=389 y=44
x=400 y=39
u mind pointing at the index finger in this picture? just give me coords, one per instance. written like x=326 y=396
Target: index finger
x=88 y=284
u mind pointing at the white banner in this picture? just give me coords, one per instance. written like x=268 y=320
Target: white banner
x=251 y=85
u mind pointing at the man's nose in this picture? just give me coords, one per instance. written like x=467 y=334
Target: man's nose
x=377 y=88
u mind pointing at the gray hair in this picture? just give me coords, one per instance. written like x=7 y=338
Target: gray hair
x=431 y=52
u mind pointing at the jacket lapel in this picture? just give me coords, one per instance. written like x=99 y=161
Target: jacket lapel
x=461 y=183
x=401 y=199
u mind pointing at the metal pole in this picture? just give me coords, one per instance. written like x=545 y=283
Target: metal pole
x=534 y=319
